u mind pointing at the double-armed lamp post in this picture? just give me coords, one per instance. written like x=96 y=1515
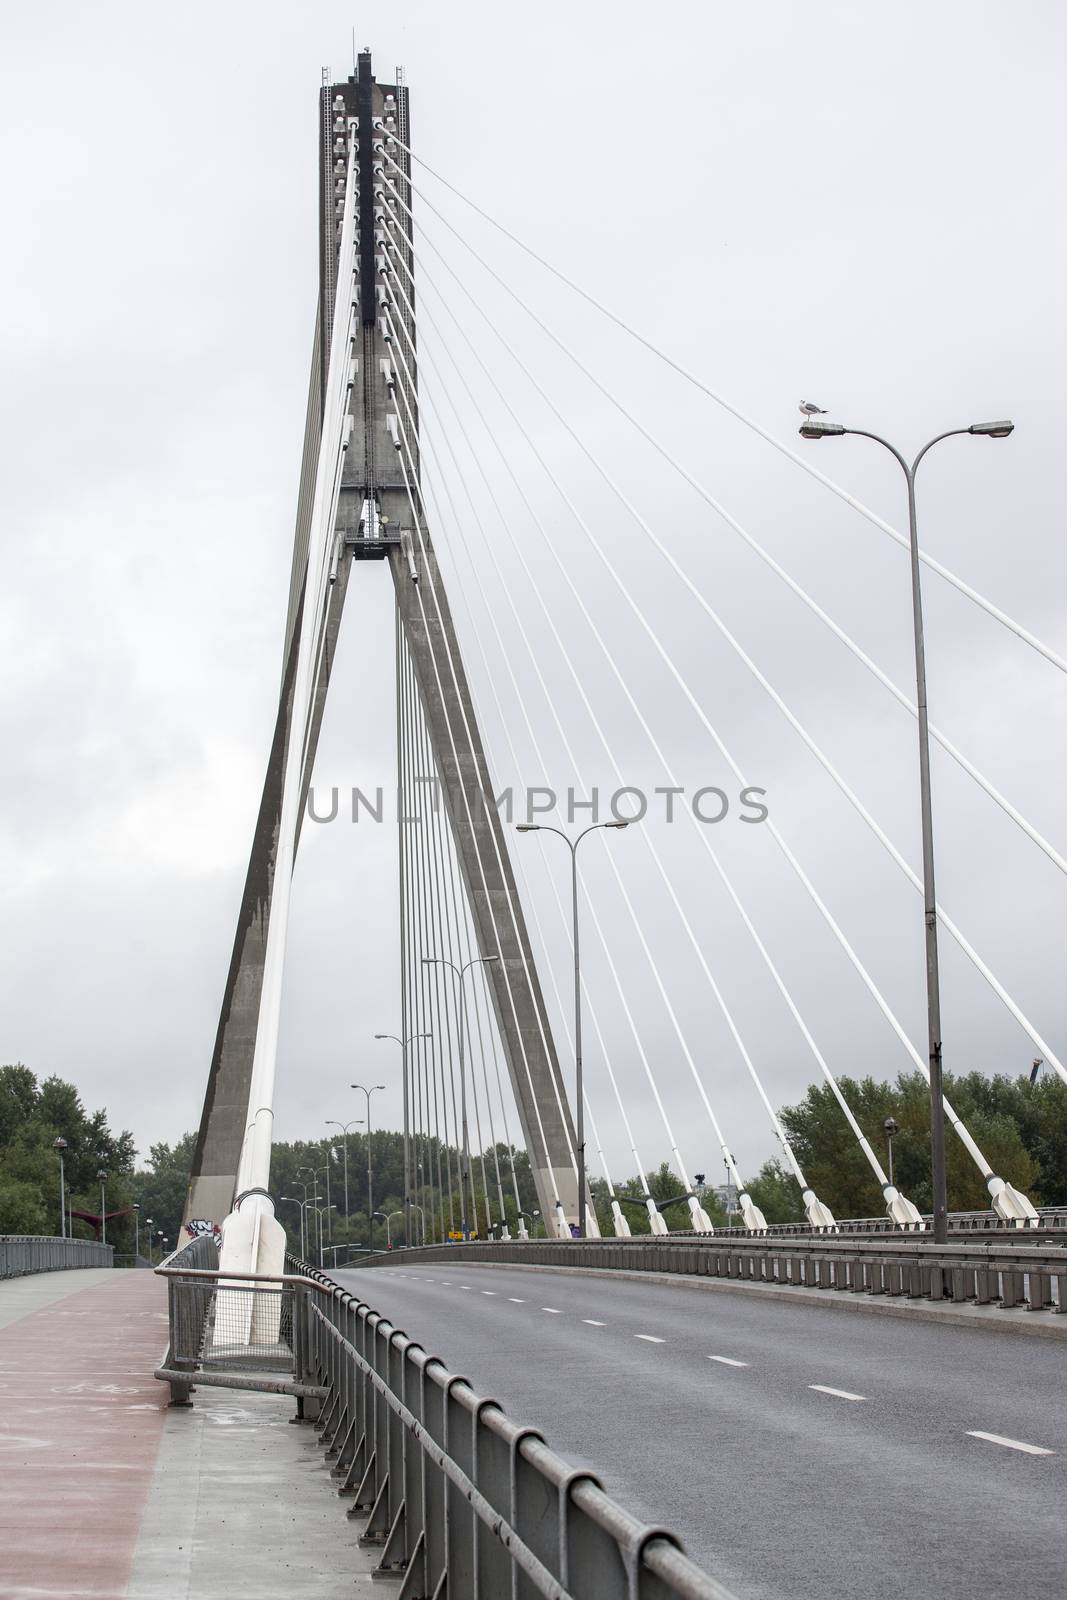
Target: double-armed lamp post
x=579 y=1093
x=815 y=427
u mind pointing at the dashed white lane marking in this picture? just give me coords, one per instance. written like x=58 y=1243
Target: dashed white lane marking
x=515 y=1300
x=728 y=1361
x=447 y=1282
x=553 y=1309
x=841 y=1394
x=1010 y=1444
x=593 y=1323
x=649 y=1338
x=464 y=1285
x=489 y=1291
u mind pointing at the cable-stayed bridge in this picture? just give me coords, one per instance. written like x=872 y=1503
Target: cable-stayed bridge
x=421 y=451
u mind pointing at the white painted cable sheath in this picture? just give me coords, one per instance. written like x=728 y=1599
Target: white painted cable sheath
x=951 y=927
x=695 y=943
x=799 y=460
x=436 y=505
x=974 y=772
x=428 y=569
x=775 y=832
x=652 y=965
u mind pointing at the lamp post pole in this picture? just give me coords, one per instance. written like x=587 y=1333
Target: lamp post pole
x=370 y=1161
x=136 y=1231
x=579 y=1093
x=459 y=973
x=815 y=428
x=102 y=1178
x=403 y=1043
x=331 y=1122
x=890 y=1128
x=59 y=1145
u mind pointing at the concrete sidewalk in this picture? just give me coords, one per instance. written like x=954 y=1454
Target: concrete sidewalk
x=106 y=1494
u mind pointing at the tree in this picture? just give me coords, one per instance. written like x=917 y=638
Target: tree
x=840 y=1175
x=32 y=1117
x=777 y=1193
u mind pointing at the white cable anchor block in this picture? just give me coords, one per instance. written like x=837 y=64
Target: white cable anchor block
x=899 y=1209
x=755 y=1221
x=1010 y=1205
x=622 y=1227
x=818 y=1213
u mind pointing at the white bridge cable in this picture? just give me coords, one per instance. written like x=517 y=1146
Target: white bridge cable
x=950 y=926
x=694 y=941
x=1051 y=655
x=724 y=1147
x=1010 y=811
x=430 y=454
x=775 y=832
x=481 y=868
x=459 y=941
x=604 y=942
x=431 y=1144
x=440 y=1041
x=428 y=568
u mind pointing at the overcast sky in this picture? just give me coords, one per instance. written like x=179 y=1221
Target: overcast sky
x=855 y=205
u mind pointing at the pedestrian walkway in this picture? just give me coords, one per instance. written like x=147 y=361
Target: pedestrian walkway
x=107 y=1494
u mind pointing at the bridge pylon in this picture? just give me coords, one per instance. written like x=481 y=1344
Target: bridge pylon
x=377 y=513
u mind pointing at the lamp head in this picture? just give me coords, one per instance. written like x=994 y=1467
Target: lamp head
x=890 y=1127
x=102 y=1175
x=992 y=430
x=527 y=827
x=59 y=1144
x=815 y=428
x=381 y=1036
x=616 y=824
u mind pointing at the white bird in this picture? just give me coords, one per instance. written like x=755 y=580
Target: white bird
x=808 y=410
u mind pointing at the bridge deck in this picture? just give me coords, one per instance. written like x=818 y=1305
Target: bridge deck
x=109 y=1495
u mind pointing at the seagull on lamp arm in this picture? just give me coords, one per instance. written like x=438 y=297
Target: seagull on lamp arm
x=807 y=409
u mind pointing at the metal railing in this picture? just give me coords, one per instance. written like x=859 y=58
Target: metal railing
x=23 y=1253
x=1050 y=1219
x=1030 y=1276
x=452 y=1493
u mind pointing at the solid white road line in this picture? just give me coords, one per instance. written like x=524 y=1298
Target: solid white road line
x=727 y=1361
x=1009 y=1444
x=841 y=1394
x=515 y=1300
x=593 y=1323
x=649 y=1338
x=553 y=1310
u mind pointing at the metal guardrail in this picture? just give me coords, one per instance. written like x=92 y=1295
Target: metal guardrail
x=457 y=1497
x=1030 y=1276
x=1050 y=1219
x=23 y=1253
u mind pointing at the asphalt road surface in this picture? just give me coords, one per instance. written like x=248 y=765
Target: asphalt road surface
x=798 y=1451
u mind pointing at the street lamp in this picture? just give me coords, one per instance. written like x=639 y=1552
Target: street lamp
x=295 y=1200
x=814 y=427
x=149 y=1223
x=403 y=1043
x=572 y=846
x=370 y=1163
x=136 y=1231
x=102 y=1180
x=331 y=1122
x=459 y=973
x=59 y=1145
x=890 y=1127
